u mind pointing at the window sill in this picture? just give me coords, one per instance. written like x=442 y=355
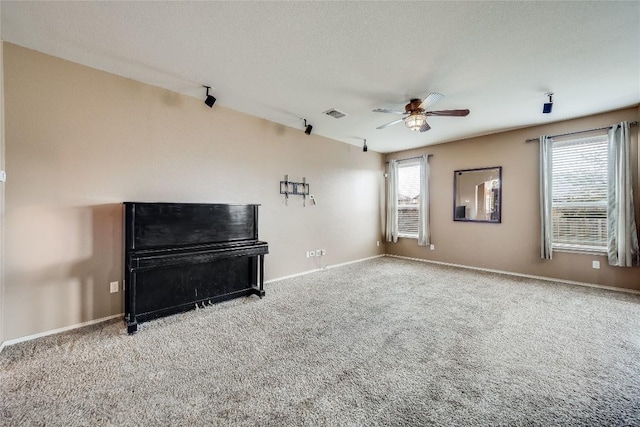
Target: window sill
x=408 y=236
x=601 y=252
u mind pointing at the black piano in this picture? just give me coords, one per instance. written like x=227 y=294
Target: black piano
x=180 y=255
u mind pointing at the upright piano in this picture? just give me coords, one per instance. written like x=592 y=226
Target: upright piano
x=180 y=255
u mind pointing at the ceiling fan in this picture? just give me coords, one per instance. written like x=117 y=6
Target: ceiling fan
x=416 y=118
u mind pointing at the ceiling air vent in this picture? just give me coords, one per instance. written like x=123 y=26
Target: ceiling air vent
x=335 y=113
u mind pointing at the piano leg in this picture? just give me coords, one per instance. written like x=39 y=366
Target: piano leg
x=259 y=290
x=132 y=327
x=130 y=300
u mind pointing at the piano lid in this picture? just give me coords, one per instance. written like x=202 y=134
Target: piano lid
x=165 y=225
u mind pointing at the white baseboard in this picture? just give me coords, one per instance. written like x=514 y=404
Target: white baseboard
x=511 y=273
x=353 y=262
x=320 y=269
x=57 y=331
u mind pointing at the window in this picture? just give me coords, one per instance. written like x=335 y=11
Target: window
x=408 y=198
x=579 y=189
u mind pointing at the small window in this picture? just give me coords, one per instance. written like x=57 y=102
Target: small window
x=579 y=188
x=408 y=198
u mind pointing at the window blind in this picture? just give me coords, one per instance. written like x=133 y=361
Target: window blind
x=579 y=188
x=408 y=198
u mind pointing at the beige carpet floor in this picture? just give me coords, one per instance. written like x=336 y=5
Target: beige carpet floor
x=385 y=342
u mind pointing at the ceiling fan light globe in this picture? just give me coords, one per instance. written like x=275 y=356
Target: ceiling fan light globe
x=415 y=122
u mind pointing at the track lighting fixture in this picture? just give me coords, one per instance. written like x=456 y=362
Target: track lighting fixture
x=210 y=100
x=546 y=108
x=307 y=128
x=364 y=147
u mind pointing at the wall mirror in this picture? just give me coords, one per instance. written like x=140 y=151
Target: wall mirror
x=477 y=194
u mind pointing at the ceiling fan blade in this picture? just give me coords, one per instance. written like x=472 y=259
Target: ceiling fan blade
x=389 y=124
x=425 y=127
x=384 y=110
x=431 y=100
x=459 y=113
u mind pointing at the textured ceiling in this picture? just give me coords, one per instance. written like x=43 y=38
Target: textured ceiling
x=285 y=60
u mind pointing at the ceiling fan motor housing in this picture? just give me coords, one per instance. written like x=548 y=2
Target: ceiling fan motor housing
x=413 y=106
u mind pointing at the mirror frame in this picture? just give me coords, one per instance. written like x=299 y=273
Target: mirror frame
x=456 y=173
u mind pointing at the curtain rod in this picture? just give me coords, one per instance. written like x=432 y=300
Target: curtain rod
x=632 y=124
x=412 y=158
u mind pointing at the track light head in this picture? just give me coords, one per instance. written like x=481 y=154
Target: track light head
x=307 y=128
x=210 y=100
x=548 y=106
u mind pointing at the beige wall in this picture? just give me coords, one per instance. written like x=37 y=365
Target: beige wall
x=80 y=141
x=512 y=245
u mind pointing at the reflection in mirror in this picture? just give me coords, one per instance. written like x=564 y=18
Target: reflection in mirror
x=477 y=194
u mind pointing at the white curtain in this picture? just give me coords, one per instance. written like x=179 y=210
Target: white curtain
x=392 y=202
x=546 y=223
x=622 y=233
x=424 y=234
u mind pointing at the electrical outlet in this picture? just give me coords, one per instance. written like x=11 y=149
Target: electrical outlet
x=318 y=252
x=312 y=253
x=378 y=243
x=596 y=265
x=432 y=247
x=113 y=287
x=323 y=253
